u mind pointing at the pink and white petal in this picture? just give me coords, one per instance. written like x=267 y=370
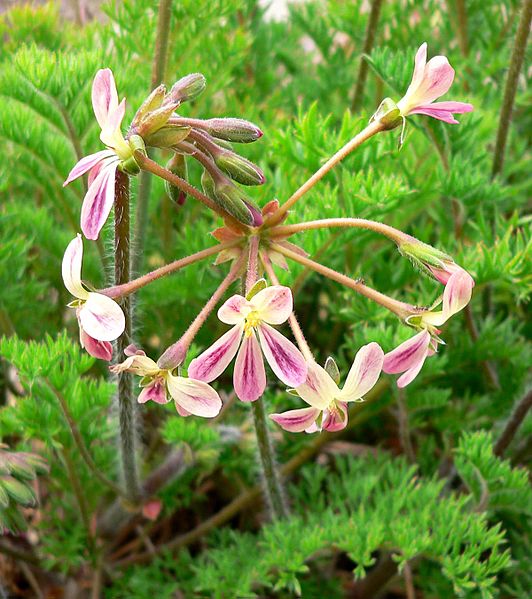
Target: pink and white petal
x=455 y=107
x=437 y=80
x=274 y=304
x=286 y=361
x=133 y=350
x=249 y=377
x=406 y=378
x=213 y=361
x=86 y=164
x=111 y=133
x=440 y=115
x=335 y=420
x=181 y=411
x=457 y=292
x=419 y=69
x=297 y=421
x=319 y=389
x=98 y=201
x=104 y=95
x=103 y=350
x=234 y=310
x=408 y=354
x=196 y=397
x=364 y=372
x=71 y=268
x=156 y=392
x=101 y=317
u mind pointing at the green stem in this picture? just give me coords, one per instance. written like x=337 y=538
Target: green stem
x=510 y=90
x=157 y=77
x=371 y=30
x=126 y=405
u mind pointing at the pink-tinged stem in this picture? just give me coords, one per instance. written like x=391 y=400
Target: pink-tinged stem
x=252 y=274
x=401 y=309
x=292 y=320
x=357 y=223
x=371 y=130
x=136 y=284
x=176 y=353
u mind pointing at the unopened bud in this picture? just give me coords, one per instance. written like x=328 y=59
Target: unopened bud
x=152 y=102
x=173 y=357
x=168 y=136
x=188 y=88
x=155 y=120
x=17 y=490
x=230 y=129
x=388 y=114
x=177 y=165
x=232 y=200
x=239 y=169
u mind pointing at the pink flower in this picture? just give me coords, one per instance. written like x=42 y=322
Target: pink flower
x=430 y=81
x=100 y=318
x=190 y=396
x=252 y=318
x=409 y=357
x=102 y=165
x=321 y=392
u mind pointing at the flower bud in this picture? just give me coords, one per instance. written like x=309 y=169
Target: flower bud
x=168 y=136
x=155 y=120
x=177 y=165
x=17 y=490
x=388 y=114
x=231 y=129
x=188 y=88
x=152 y=102
x=239 y=169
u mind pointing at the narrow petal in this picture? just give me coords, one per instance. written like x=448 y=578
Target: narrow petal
x=364 y=372
x=457 y=292
x=420 y=62
x=71 y=268
x=101 y=317
x=440 y=115
x=213 y=361
x=156 y=392
x=319 y=389
x=86 y=164
x=336 y=419
x=196 y=397
x=406 y=378
x=274 y=304
x=286 y=361
x=98 y=202
x=249 y=377
x=455 y=107
x=296 y=421
x=234 y=310
x=104 y=95
x=111 y=135
x=408 y=354
x=103 y=350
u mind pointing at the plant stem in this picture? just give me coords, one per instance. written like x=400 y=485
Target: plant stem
x=126 y=405
x=272 y=481
x=136 y=284
x=513 y=424
x=157 y=76
x=362 y=76
x=365 y=134
x=510 y=90
x=357 y=223
x=401 y=309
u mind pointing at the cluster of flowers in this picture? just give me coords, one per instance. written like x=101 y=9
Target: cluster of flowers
x=252 y=336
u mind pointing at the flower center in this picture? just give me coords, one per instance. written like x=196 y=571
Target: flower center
x=252 y=322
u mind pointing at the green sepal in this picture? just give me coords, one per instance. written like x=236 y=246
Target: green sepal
x=168 y=136
x=331 y=368
x=259 y=286
x=388 y=114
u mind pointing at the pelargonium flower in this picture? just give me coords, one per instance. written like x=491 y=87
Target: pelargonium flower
x=431 y=80
x=409 y=357
x=320 y=390
x=102 y=165
x=100 y=318
x=159 y=385
x=252 y=318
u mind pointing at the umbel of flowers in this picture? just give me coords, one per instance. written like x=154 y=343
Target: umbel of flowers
x=254 y=241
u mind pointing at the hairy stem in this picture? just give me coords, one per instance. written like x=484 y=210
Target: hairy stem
x=362 y=76
x=401 y=309
x=136 y=284
x=126 y=405
x=510 y=90
x=371 y=130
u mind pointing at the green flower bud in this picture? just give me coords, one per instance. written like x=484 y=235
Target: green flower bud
x=426 y=258
x=239 y=169
x=177 y=165
x=168 y=136
x=230 y=129
x=188 y=88
x=152 y=102
x=18 y=491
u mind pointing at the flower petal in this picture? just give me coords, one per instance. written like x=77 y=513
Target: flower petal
x=139 y=364
x=420 y=62
x=103 y=350
x=440 y=115
x=111 y=135
x=296 y=421
x=234 y=310
x=437 y=80
x=214 y=360
x=101 y=317
x=406 y=378
x=249 y=377
x=456 y=296
x=86 y=164
x=274 y=304
x=104 y=95
x=196 y=397
x=156 y=392
x=71 y=268
x=98 y=201
x=336 y=419
x=408 y=354
x=364 y=372
x=286 y=361
x=319 y=389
